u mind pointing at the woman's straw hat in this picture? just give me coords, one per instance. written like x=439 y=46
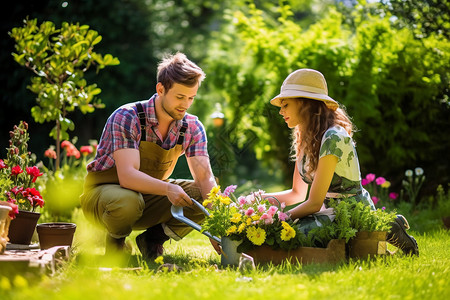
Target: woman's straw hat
x=305 y=83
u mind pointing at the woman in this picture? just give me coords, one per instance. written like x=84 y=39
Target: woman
x=326 y=165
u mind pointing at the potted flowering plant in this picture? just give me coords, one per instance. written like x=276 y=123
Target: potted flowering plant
x=19 y=185
x=262 y=228
x=252 y=223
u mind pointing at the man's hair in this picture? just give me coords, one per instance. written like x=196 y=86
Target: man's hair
x=179 y=69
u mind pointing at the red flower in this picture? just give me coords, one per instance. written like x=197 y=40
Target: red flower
x=17 y=190
x=50 y=153
x=16 y=170
x=15 y=210
x=2 y=164
x=34 y=171
x=85 y=150
x=66 y=144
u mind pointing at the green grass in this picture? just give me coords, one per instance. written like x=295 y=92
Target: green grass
x=89 y=276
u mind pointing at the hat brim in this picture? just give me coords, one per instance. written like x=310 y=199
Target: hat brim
x=330 y=102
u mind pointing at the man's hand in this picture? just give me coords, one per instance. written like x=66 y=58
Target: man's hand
x=216 y=246
x=177 y=196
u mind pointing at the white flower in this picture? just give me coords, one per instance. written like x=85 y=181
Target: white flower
x=418 y=171
x=409 y=173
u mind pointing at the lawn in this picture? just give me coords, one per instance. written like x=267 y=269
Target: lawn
x=89 y=276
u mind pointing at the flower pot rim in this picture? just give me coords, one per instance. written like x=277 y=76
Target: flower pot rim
x=57 y=225
x=5 y=207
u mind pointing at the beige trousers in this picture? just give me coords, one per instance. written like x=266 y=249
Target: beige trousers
x=122 y=210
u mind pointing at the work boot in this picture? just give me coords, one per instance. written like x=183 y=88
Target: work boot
x=151 y=241
x=398 y=237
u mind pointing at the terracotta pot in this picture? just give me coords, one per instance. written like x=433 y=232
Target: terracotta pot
x=22 y=227
x=55 y=234
x=367 y=244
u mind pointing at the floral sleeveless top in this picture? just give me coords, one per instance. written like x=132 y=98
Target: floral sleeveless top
x=347 y=176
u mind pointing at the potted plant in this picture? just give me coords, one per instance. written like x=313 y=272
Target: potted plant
x=261 y=228
x=371 y=228
x=19 y=186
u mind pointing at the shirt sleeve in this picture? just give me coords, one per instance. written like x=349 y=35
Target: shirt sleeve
x=198 y=144
x=338 y=143
x=124 y=131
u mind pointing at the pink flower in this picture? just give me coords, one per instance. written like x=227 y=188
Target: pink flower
x=261 y=208
x=229 y=189
x=267 y=218
x=2 y=164
x=383 y=208
x=249 y=211
x=242 y=200
x=15 y=210
x=380 y=180
x=282 y=216
x=364 y=181
x=250 y=198
x=370 y=177
x=375 y=200
x=393 y=195
x=272 y=210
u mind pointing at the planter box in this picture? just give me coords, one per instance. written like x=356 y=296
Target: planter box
x=334 y=253
x=367 y=244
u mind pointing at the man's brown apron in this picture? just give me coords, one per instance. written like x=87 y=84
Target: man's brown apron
x=122 y=210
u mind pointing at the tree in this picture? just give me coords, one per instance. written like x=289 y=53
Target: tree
x=394 y=86
x=59 y=58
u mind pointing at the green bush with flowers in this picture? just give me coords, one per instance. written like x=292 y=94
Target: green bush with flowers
x=256 y=221
x=18 y=175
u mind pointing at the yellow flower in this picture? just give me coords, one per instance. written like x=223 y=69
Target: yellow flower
x=256 y=235
x=287 y=232
x=241 y=227
x=206 y=202
x=236 y=218
x=386 y=184
x=224 y=200
x=159 y=260
x=231 y=230
x=249 y=221
x=214 y=191
x=255 y=217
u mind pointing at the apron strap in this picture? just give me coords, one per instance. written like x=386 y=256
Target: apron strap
x=182 y=132
x=142 y=120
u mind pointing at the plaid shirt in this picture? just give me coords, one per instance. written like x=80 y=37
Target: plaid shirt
x=122 y=130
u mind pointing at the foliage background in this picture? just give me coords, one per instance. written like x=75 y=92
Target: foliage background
x=386 y=62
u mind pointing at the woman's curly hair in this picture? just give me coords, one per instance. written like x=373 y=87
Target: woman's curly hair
x=315 y=118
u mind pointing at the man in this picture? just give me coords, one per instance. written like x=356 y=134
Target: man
x=128 y=187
